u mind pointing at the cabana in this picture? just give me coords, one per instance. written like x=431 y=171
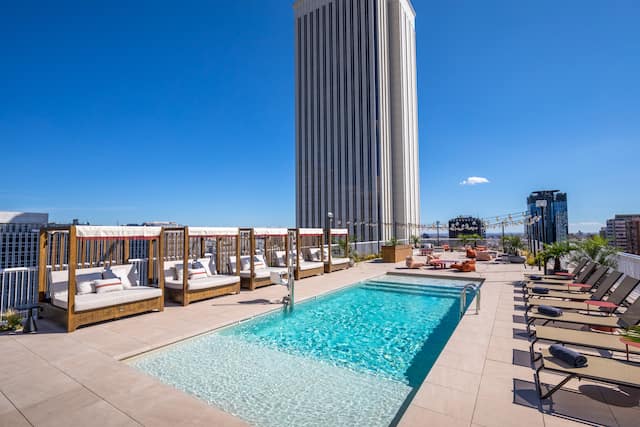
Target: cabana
x=341 y=261
x=310 y=254
x=86 y=276
x=207 y=274
x=262 y=251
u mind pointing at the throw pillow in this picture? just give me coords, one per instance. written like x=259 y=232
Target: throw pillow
x=108 y=285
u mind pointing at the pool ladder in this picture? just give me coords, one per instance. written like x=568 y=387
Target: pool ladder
x=463 y=299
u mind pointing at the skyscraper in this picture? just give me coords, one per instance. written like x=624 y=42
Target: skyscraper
x=356 y=117
x=554 y=215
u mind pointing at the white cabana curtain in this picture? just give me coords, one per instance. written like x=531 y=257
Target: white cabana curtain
x=270 y=231
x=213 y=231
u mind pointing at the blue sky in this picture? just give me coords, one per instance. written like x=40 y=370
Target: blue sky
x=113 y=112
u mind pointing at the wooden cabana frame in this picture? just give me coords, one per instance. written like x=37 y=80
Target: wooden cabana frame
x=307 y=240
x=270 y=241
x=332 y=263
x=192 y=247
x=76 y=249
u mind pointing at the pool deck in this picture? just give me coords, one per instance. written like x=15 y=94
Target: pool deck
x=481 y=378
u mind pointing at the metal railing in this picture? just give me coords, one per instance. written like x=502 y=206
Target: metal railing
x=463 y=298
x=18 y=286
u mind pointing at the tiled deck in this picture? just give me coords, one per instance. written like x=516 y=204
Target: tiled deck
x=482 y=377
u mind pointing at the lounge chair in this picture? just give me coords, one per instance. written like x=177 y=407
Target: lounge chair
x=563 y=276
x=600 y=369
x=611 y=304
x=580 y=278
x=597 y=340
x=466 y=266
x=413 y=264
x=483 y=256
x=582 y=285
x=630 y=317
x=604 y=287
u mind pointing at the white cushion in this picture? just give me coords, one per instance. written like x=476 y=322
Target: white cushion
x=263 y=272
x=197 y=273
x=259 y=262
x=325 y=252
x=337 y=261
x=179 y=271
x=126 y=274
x=280 y=258
x=84 y=288
x=232 y=264
x=208 y=282
x=209 y=265
x=314 y=254
x=307 y=265
x=108 y=285
x=94 y=300
x=245 y=263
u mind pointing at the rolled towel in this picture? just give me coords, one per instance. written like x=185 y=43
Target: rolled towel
x=540 y=290
x=535 y=277
x=573 y=358
x=548 y=310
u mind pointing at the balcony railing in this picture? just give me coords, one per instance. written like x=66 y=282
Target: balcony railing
x=18 y=286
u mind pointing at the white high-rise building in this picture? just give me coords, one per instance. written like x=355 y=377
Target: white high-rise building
x=356 y=117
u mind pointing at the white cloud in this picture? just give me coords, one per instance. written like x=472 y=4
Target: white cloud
x=473 y=180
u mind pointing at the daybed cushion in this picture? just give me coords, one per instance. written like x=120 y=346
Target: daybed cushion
x=126 y=273
x=306 y=265
x=206 y=283
x=263 y=272
x=314 y=255
x=104 y=286
x=209 y=265
x=93 y=301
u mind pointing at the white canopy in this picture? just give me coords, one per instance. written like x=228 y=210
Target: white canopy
x=311 y=231
x=339 y=231
x=108 y=232
x=213 y=231
x=270 y=231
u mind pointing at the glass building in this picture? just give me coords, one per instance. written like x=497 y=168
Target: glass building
x=554 y=215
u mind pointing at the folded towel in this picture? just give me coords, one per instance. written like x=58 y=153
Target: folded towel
x=549 y=311
x=573 y=358
x=535 y=277
x=540 y=290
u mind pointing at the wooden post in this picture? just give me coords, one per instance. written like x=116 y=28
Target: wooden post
x=218 y=256
x=160 y=263
x=125 y=256
x=286 y=251
x=330 y=241
x=298 y=259
x=202 y=251
x=42 y=264
x=252 y=251
x=237 y=253
x=185 y=267
x=150 y=256
x=71 y=290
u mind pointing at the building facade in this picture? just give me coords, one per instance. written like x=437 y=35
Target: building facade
x=623 y=232
x=554 y=226
x=466 y=225
x=19 y=233
x=356 y=117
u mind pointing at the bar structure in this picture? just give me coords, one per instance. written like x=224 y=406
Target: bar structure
x=356 y=117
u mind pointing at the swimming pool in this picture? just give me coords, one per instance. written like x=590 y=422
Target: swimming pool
x=353 y=357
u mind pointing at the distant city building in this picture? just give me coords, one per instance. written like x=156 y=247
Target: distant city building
x=19 y=233
x=623 y=232
x=356 y=117
x=465 y=225
x=555 y=215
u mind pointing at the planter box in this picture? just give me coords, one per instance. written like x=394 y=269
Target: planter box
x=396 y=253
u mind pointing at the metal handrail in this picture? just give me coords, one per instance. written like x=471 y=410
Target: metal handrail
x=463 y=298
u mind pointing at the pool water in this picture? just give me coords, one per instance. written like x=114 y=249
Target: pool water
x=353 y=357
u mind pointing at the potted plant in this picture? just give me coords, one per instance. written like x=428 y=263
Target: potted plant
x=11 y=321
x=394 y=252
x=513 y=245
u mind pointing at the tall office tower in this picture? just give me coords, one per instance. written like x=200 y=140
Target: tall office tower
x=19 y=233
x=552 y=206
x=356 y=117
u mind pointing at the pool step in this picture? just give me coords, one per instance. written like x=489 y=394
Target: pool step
x=437 y=291
x=389 y=282
x=453 y=289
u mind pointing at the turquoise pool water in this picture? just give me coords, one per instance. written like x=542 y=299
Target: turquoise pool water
x=353 y=357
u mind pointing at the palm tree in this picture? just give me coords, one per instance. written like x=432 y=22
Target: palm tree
x=416 y=241
x=512 y=244
x=556 y=251
x=596 y=249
